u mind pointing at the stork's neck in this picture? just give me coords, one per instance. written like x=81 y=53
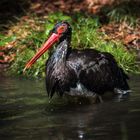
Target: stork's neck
x=66 y=38
x=60 y=53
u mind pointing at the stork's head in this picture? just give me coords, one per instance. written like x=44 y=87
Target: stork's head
x=61 y=31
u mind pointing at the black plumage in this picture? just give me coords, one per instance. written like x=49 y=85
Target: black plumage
x=82 y=72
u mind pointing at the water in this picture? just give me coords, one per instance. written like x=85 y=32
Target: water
x=26 y=114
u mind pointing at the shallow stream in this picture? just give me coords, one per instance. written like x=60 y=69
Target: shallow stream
x=25 y=113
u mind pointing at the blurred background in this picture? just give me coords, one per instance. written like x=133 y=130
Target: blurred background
x=100 y=24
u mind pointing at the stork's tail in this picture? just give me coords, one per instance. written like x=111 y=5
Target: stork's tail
x=124 y=77
x=123 y=89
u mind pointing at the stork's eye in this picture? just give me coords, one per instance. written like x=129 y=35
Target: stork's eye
x=62 y=29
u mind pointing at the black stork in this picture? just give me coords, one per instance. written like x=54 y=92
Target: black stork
x=76 y=72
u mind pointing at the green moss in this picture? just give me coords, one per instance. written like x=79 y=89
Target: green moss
x=4 y=40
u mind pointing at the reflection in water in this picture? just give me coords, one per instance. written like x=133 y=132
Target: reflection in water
x=25 y=113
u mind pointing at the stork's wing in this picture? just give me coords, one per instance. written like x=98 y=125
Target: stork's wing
x=97 y=71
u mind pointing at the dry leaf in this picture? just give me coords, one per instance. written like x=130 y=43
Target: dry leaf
x=130 y=38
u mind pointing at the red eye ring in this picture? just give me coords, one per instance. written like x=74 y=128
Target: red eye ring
x=61 y=29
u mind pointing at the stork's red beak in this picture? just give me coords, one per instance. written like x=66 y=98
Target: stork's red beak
x=52 y=39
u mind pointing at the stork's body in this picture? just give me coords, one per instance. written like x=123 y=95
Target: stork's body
x=79 y=72
x=83 y=72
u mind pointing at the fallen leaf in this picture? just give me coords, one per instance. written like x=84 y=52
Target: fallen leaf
x=129 y=38
x=35 y=6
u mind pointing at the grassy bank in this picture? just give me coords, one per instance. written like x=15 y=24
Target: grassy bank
x=34 y=31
